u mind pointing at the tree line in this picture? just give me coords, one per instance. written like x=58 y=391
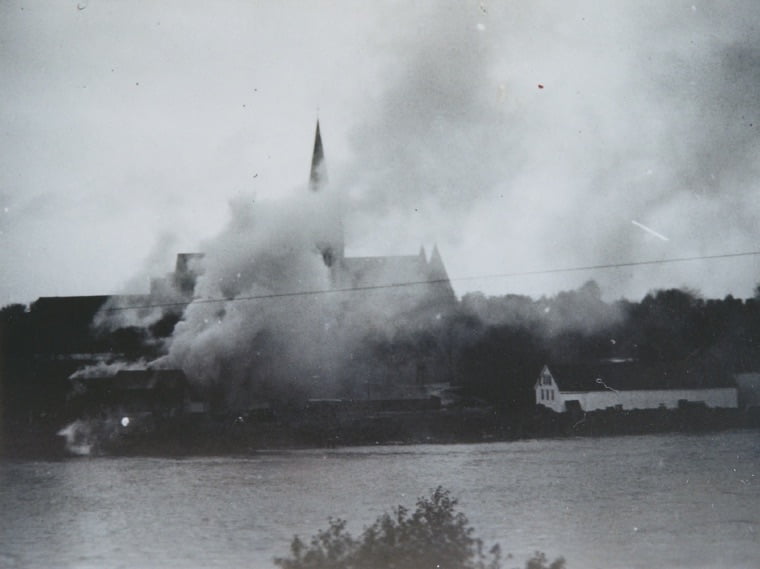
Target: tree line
x=492 y=347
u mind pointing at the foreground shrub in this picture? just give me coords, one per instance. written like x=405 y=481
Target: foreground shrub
x=434 y=536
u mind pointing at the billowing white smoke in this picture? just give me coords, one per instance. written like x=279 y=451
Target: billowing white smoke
x=262 y=322
x=529 y=135
x=465 y=144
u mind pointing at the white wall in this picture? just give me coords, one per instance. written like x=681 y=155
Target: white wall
x=648 y=399
x=547 y=392
x=549 y=395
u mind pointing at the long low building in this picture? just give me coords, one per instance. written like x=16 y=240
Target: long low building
x=630 y=385
x=160 y=392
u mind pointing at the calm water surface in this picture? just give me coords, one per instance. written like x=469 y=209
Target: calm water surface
x=661 y=501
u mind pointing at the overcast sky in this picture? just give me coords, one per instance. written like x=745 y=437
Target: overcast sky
x=517 y=135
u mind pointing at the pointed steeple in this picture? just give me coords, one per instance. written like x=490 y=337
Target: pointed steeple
x=318 y=173
x=437 y=269
x=327 y=206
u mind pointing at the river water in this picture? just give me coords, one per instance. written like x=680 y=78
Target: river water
x=661 y=501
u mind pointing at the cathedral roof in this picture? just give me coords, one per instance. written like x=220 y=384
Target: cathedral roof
x=412 y=277
x=379 y=271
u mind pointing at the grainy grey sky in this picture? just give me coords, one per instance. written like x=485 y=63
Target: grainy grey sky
x=517 y=135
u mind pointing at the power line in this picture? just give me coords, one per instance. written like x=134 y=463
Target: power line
x=614 y=265
x=275 y=295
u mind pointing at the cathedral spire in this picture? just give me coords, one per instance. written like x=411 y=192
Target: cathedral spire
x=328 y=207
x=318 y=173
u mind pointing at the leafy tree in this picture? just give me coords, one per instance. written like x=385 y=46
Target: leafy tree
x=434 y=535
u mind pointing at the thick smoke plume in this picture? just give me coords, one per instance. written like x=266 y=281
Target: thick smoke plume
x=527 y=135
x=517 y=135
x=261 y=338
x=266 y=321
x=436 y=143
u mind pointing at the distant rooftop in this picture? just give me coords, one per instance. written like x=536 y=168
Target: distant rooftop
x=631 y=375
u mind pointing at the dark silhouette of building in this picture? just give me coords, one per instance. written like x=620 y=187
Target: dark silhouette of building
x=163 y=393
x=66 y=337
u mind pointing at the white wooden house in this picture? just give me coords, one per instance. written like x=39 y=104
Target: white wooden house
x=631 y=385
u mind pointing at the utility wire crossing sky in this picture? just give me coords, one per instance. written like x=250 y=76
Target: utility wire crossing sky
x=427 y=282
x=527 y=134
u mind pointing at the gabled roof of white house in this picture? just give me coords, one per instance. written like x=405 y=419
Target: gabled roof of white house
x=632 y=375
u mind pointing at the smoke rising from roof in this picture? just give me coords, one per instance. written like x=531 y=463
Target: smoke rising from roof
x=526 y=135
x=436 y=143
x=255 y=347
x=532 y=135
x=518 y=136
x=266 y=339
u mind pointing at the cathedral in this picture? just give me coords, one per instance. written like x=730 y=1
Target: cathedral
x=411 y=293
x=382 y=309
x=416 y=282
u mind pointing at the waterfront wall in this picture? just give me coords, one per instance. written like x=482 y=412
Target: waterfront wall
x=649 y=399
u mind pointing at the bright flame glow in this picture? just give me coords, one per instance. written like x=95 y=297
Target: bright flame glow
x=125 y=421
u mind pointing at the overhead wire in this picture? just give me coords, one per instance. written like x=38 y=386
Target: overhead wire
x=274 y=295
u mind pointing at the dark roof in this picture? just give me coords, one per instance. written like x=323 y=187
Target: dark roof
x=63 y=324
x=632 y=375
x=93 y=302
x=410 y=279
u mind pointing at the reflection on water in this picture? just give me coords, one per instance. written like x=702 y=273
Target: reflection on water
x=636 y=502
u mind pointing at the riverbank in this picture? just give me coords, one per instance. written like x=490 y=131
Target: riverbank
x=225 y=436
